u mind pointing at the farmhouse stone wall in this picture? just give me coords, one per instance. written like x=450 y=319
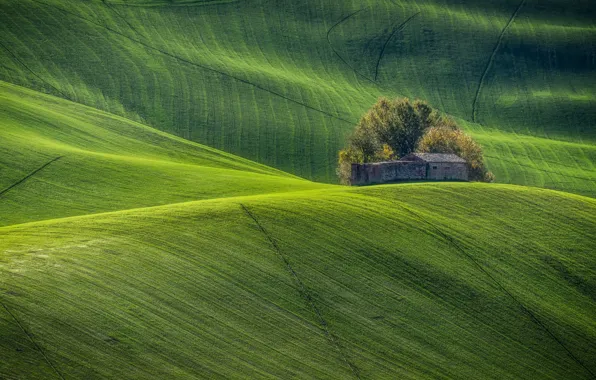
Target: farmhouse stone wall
x=383 y=172
x=417 y=166
x=447 y=171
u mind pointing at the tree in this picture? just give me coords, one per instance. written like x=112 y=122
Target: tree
x=450 y=139
x=397 y=123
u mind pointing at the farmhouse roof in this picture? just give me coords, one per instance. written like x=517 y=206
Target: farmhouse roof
x=433 y=157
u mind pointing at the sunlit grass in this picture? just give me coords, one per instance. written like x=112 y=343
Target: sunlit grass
x=275 y=83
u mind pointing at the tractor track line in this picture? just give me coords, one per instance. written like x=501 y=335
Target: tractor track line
x=492 y=59
x=29 y=175
x=197 y=4
x=471 y=258
x=304 y=292
x=335 y=51
x=16 y=59
x=111 y=7
x=398 y=28
x=204 y=67
x=58 y=373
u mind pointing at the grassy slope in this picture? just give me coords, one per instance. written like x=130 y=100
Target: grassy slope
x=425 y=280
x=283 y=83
x=108 y=163
x=197 y=289
x=521 y=159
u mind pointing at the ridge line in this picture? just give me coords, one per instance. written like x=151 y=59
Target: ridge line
x=139 y=208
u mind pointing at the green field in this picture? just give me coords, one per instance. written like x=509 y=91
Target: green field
x=409 y=281
x=282 y=84
x=108 y=163
x=169 y=207
x=457 y=281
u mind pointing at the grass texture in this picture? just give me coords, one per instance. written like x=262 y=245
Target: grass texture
x=412 y=281
x=105 y=274
x=98 y=162
x=149 y=227
x=283 y=84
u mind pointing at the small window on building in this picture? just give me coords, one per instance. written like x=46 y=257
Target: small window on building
x=447 y=167
x=434 y=167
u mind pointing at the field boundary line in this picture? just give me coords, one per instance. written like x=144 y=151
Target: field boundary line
x=335 y=51
x=29 y=175
x=202 y=66
x=398 y=28
x=304 y=292
x=492 y=59
x=17 y=59
x=33 y=341
x=471 y=258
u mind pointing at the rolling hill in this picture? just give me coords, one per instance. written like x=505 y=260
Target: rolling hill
x=98 y=162
x=268 y=275
x=159 y=219
x=414 y=281
x=282 y=84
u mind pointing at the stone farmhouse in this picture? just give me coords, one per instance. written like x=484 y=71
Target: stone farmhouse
x=415 y=166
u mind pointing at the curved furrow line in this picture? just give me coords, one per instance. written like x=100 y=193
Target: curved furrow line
x=18 y=61
x=305 y=293
x=399 y=28
x=492 y=58
x=111 y=7
x=199 y=65
x=335 y=51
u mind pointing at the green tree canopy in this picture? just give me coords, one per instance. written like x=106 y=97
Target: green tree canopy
x=454 y=140
x=398 y=123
